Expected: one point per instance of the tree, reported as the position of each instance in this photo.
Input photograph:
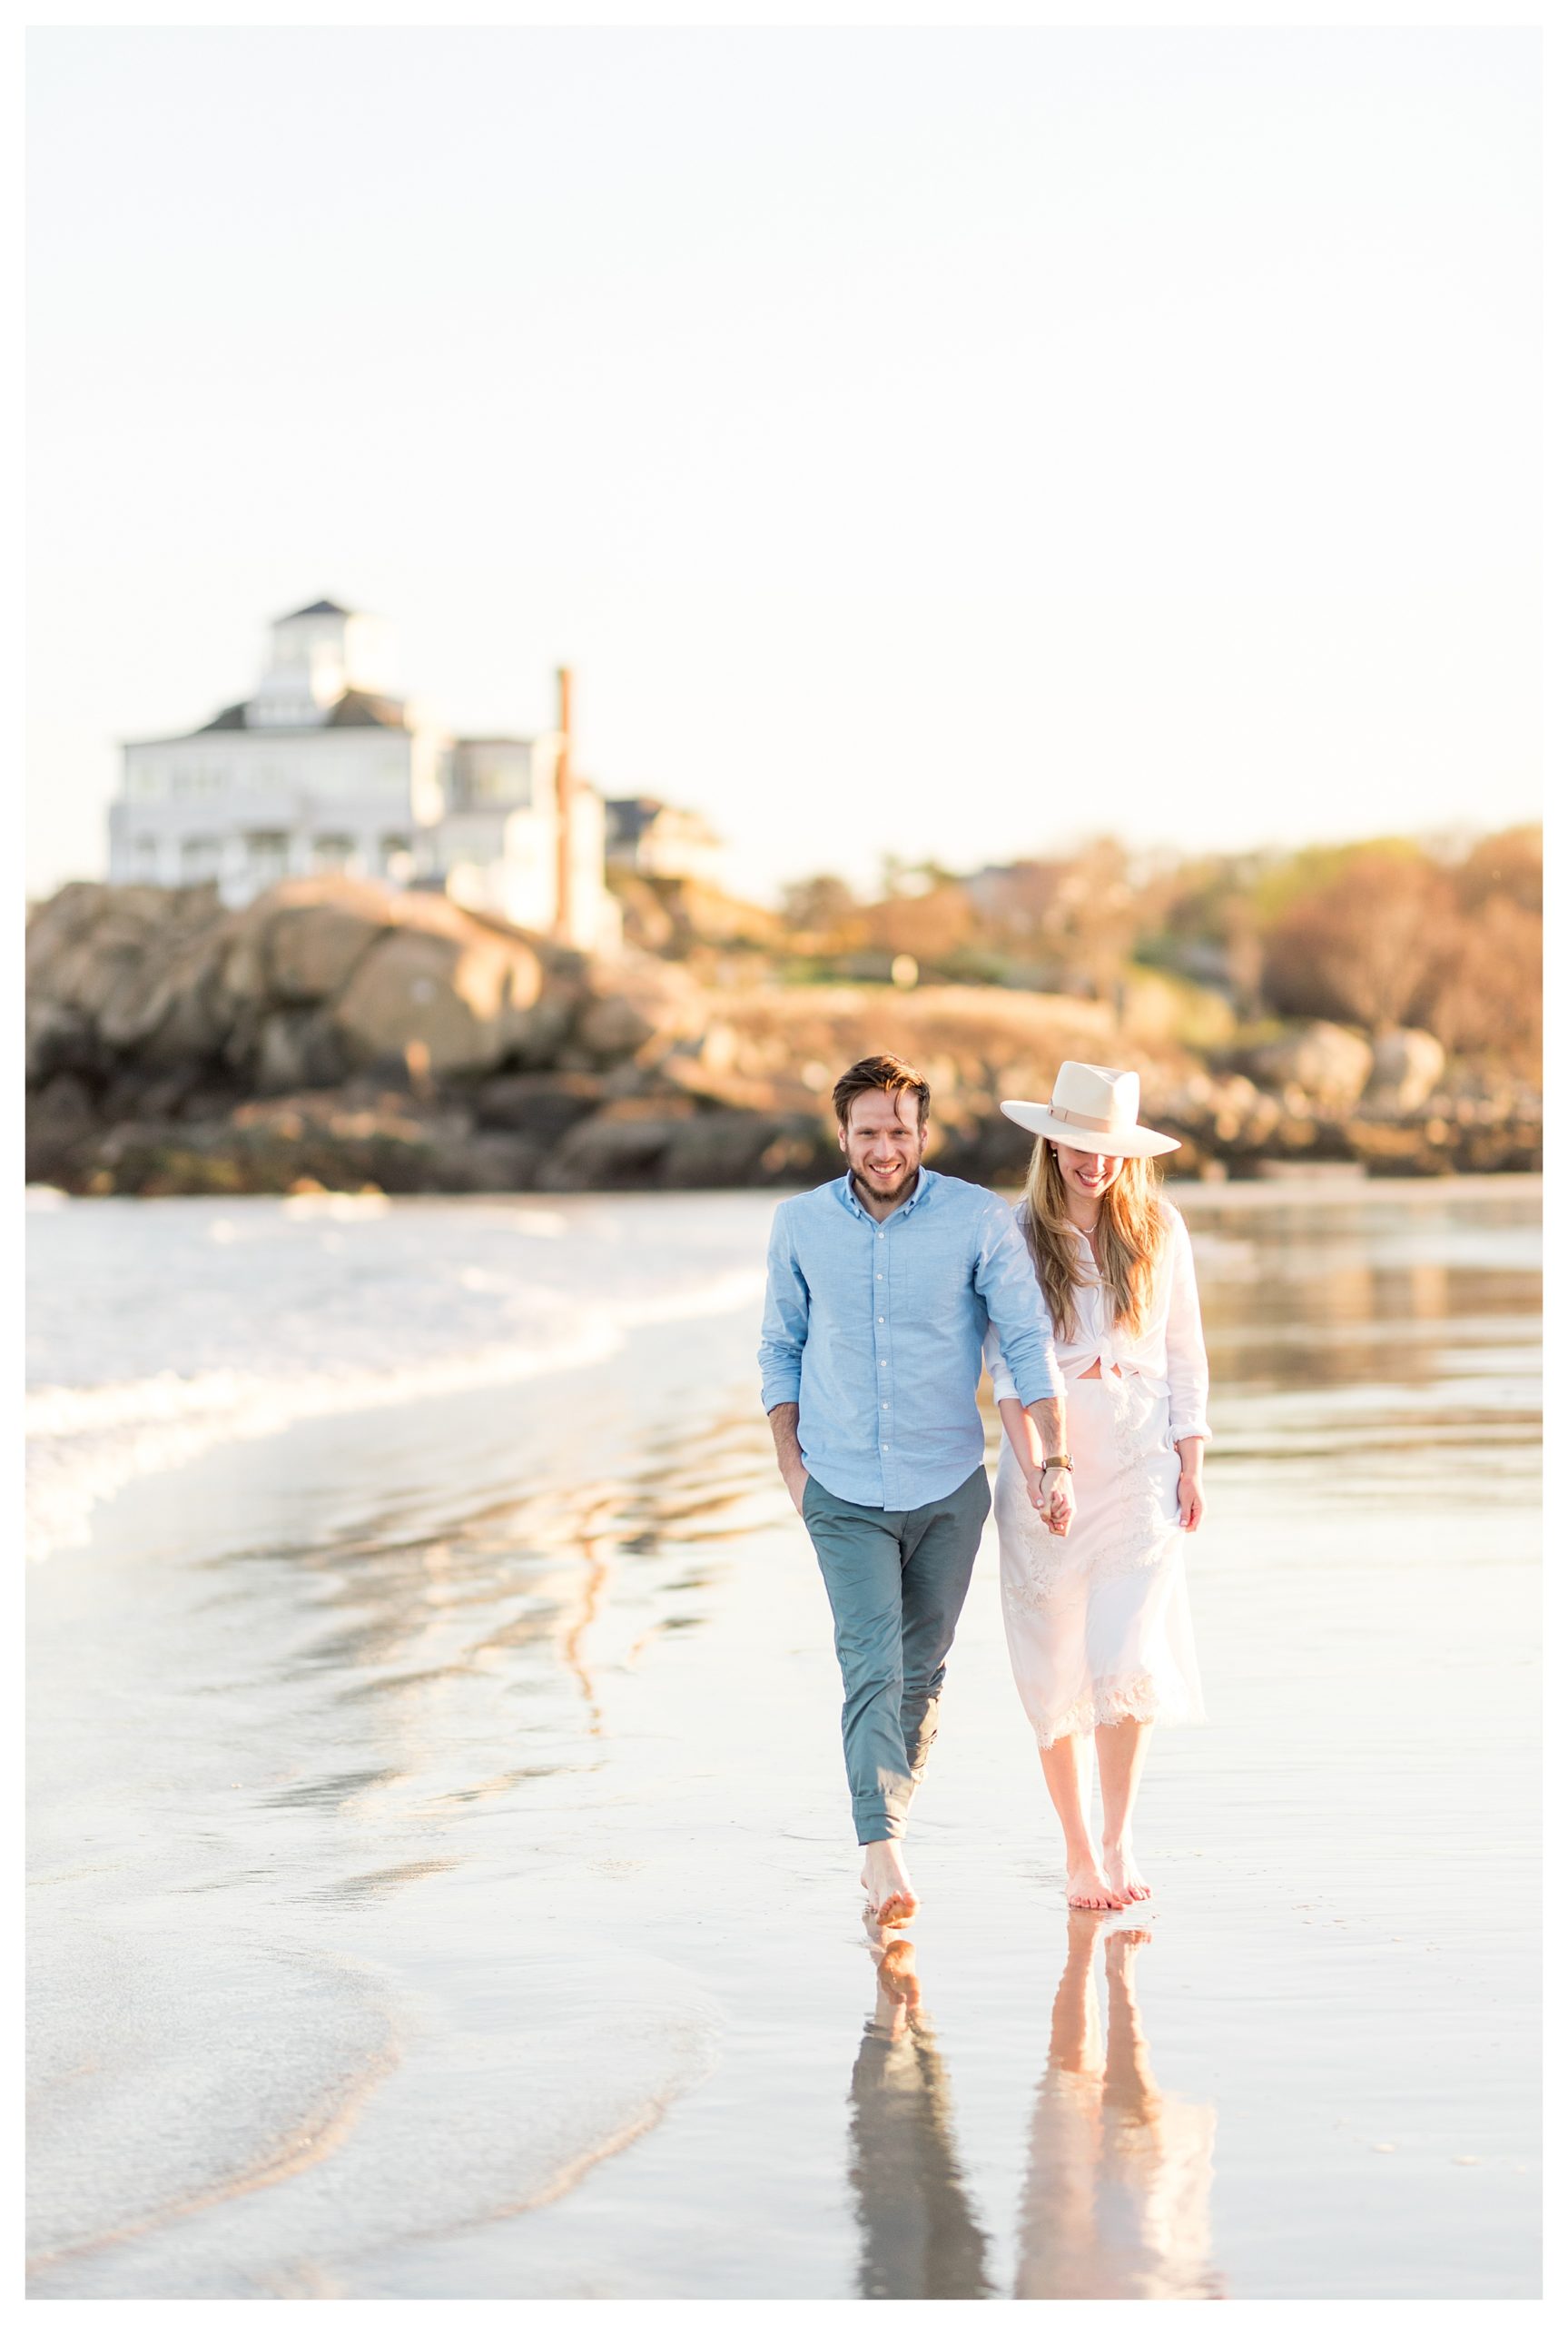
(1506, 864)
(1485, 995)
(1364, 945)
(819, 905)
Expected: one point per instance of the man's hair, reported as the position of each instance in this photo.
(882, 1073)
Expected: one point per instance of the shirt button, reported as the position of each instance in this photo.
(879, 1275)
(887, 1449)
(884, 1364)
(881, 1319)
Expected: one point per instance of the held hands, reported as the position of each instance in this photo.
(1052, 1496)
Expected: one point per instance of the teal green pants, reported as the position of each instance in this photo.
(896, 1581)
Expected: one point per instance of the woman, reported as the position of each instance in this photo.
(1097, 1618)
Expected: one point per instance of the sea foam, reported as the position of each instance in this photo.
(170, 1330)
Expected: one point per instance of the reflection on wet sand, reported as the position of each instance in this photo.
(919, 2237)
(542, 1593)
(1116, 2175)
(1115, 2201)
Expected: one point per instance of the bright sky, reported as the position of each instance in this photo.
(940, 443)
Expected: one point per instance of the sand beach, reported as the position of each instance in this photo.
(442, 1885)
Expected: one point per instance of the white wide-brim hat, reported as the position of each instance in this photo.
(1093, 1107)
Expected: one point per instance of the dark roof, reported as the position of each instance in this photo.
(321, 606)
(629, 818)
(354, 708)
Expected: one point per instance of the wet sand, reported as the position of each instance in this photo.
(443, 1885)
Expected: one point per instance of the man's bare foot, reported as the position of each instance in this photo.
(889, 1890)
(1088, 1886)
(1122, 1874)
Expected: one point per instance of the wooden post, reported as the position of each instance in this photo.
(565, 787)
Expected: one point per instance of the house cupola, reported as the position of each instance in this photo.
(318, 654)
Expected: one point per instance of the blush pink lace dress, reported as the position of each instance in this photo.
(1097, 1626)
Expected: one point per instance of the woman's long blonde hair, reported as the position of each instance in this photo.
(1129, 1237)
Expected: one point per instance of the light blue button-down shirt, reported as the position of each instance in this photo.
(873, 1327)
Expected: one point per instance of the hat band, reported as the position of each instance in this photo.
(1087, 1122)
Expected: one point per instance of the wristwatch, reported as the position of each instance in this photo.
(1057, 1461)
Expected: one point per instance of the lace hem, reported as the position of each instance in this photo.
(1108, 1701)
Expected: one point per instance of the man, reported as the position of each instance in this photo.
(880, 1288)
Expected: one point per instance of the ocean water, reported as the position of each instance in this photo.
(442, 1884)
(156, 1331)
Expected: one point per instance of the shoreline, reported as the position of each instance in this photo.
(1298, 1182)
(89, 1441)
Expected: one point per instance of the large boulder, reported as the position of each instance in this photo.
(317, 933)
(116, 970)
(70, 933)
(172, 1007)
(60, 1038)
(61, 1124)
(302, 940)
(624, 1144)
(465, 997)
(539, 1106)
(740, 1148)
(298, 1049)
(635, 1007)
(102, 950)
(1406, 1066)
(1330, 1064)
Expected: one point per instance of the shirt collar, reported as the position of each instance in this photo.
(844, 1189)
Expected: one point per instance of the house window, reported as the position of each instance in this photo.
(397, 856)
(332, 852)
(145, 858)
(199, 860)
(267, 853)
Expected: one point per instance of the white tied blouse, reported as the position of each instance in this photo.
(1168, 1357)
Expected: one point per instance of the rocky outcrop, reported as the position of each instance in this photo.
(339, 1034)
(335, 1031)
(1407, 1067)
(1329, 1065)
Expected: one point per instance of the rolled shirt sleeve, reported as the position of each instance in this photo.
(1187, 1361)
(1002, 1381)
(786, 1314)
(1020, 1320)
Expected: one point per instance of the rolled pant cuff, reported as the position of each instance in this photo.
(877, 1824)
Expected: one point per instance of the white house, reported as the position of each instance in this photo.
(498, 846)
(322, 770)
(656, 841)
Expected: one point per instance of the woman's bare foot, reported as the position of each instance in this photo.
(1121, 1942)
(896, 1972)
(1087, 1886)
(1123, 1874)
(889, 1890)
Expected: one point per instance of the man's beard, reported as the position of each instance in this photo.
(885, 1194)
